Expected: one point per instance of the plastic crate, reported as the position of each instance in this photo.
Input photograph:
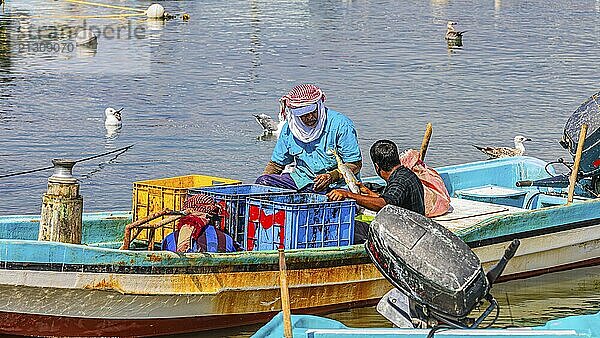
(152, 196)
(234, 198)
(298, 221)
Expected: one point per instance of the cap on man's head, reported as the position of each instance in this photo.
(304, 110)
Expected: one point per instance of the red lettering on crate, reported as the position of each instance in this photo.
(224, 213)
(257, 215)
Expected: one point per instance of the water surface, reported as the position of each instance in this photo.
(189, 90)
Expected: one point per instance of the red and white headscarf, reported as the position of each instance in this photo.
(302, 100)
(202, 203)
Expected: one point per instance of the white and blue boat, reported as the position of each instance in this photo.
(307, 326)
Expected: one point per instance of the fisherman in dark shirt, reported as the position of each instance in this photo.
(403, 189)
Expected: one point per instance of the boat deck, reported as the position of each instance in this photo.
(465, 213)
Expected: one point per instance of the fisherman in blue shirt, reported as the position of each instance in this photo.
(311, 131)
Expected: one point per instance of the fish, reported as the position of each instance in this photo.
(347, 174)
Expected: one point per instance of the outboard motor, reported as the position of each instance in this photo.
(588, 113)
(438, 279)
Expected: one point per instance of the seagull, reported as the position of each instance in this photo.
(451, 33)
(269, 126)
(497, 152)
(113, 117)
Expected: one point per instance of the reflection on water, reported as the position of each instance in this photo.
(112, 132)
(87, 51)
(454, 44)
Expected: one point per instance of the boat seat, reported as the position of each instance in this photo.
(465, 213)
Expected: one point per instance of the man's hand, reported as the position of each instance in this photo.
(337, 195)
(366, 191)
(321, 182)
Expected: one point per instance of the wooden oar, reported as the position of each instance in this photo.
(285, 296)
(425, 143)
(573, 178)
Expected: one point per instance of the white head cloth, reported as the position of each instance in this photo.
(301, 131)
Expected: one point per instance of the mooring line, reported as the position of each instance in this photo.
(106, 5)
(124, 149)
(101, 16)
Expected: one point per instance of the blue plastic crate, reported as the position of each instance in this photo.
(234, 199)
(298, 221)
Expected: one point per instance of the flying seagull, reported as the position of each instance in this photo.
(113, 117)
(497, 152)
(451, 33)
(269, 126)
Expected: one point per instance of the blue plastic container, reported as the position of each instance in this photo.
(494, 194)
(234, 199)
(298, 221)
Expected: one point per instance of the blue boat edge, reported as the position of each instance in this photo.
(305, 326)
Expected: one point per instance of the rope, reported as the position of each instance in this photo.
(124, 149)
(107, 6)
(102, 16)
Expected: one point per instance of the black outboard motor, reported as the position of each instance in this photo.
(589, 167)
(588, 113)
(437, 276)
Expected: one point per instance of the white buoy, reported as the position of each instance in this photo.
(86, 37)
(155, 11)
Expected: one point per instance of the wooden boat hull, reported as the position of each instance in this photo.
(38, 302)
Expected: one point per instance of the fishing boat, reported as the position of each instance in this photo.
(95, 288)
(581, 326)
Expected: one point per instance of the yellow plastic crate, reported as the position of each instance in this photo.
(152, 196)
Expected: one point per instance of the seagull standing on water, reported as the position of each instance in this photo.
(497, 152)
(113, 117)
(269, 126)
(451, 33)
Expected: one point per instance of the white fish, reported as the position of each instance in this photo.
(269, 126)
(289, 168)
(113, 117)
(347, 174)
(497, 152)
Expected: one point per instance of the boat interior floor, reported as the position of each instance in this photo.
(465, 213)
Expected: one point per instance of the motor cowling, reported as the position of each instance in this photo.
(427, 262)
(587, 113)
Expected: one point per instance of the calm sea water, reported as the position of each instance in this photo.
(189, 89)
